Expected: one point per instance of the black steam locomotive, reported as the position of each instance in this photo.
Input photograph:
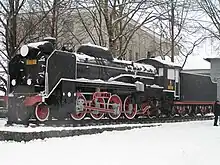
(46, 83)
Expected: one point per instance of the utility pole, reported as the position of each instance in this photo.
(172, 31)
(54, 18)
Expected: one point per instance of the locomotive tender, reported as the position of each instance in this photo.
(46, 83)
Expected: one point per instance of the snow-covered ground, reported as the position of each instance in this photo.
(193, 143)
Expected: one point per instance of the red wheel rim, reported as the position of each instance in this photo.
(129, 113)
(100, 103)
(115, 104)
(42, 112)
(80, 107)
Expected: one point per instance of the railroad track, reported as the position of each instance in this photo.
(105, 125)
(90, 122)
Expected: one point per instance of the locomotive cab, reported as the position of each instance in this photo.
(168, 76)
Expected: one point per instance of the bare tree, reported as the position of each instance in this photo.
(172, 23)
(180, 26)
(9, 10)
(212, 10)
(114, 22)
(12, 33)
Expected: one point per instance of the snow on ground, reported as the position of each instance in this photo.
(192, 143)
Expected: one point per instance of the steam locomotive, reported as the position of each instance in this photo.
(46, 83)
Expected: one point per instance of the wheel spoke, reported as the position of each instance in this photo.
(98, 103)
(115, 104)
(80, 107)
(130, 110)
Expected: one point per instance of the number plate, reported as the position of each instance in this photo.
(31, 62)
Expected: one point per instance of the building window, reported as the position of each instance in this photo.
(136, 55)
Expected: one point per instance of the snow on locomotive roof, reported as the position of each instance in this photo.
(166, 62)
(156, 86)
(122, 61)
(103, 82)
(95, 46)
(36, 44)
(135, 64)
(141, 66)
(83, 57)
(144, 66)
(95, 51)
(115, 82)
(129, 75)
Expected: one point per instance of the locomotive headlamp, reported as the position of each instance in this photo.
(29, 81)
(24, 50)
(13, 82)
(29, 50)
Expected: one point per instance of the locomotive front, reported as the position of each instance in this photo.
(30, 86)
(27, 78)
(27, 69)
